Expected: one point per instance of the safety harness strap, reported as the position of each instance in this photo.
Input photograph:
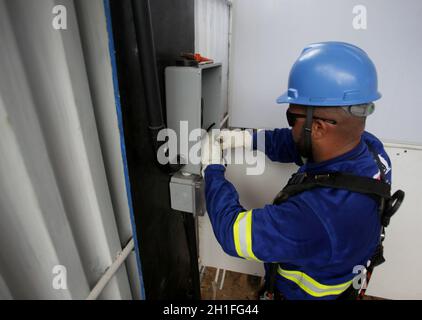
(379, 190)
(307, 132)
(301, 182)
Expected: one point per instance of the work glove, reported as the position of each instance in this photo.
(231, 139)
(211, 152)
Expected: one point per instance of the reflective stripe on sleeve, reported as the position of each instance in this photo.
(311, 286)
(242, 232)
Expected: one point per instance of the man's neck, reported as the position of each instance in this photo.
(332, 150)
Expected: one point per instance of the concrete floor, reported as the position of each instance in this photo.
(237, 286)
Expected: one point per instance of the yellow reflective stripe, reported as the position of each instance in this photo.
(316, 283)
(236, 234)
(242, 232)
(311, 286)
(249, 235)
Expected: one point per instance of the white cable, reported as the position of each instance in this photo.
(222, 279)
(201, 273)
(111, 271)
(216, 275)
(225, 119)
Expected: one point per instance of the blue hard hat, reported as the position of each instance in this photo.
(332, 74)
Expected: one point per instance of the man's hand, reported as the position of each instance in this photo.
(211, 152)
(231, 139)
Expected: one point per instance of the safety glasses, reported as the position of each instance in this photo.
(361, 110)
(292, 117)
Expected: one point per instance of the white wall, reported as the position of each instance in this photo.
(268, 36)
(212, 33)
(400, 277)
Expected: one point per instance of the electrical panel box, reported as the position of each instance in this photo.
(187, 194)
(193, 97)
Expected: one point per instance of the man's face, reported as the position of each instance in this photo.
(297, 128)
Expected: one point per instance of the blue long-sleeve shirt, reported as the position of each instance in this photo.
(317, 236)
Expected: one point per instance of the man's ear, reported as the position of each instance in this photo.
(319, 129)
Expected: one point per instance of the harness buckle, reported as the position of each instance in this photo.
(297, 178)
(319, 177)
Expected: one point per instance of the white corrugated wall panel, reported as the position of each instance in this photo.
(56, 202)
(92, 23)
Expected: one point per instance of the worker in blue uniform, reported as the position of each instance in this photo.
(316, 237)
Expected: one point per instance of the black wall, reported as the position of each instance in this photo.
(166, 237)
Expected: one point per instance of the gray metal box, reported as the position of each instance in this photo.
(193, 94)
(187, 194)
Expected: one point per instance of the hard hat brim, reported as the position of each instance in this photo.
(286, 99)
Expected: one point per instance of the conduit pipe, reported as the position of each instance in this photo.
(111, 271)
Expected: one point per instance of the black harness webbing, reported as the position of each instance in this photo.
(301, 182)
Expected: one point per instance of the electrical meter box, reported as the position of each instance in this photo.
(187, 194)
(193, 99)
